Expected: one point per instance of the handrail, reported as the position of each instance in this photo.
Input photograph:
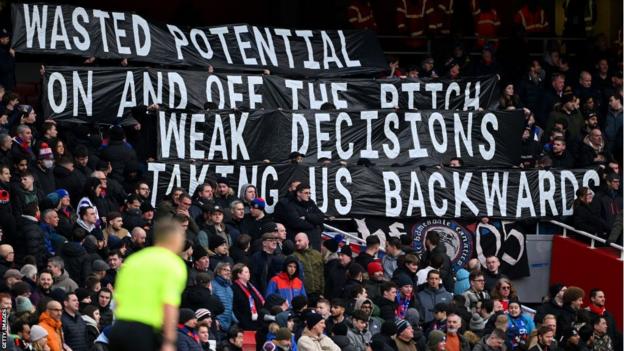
(347, 235)
(588, 235)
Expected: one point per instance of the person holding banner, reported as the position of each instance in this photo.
(302, 215)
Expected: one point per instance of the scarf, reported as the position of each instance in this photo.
(252, 302)
(597, 309)
(24, 145)
(402, 305)
(188, 332)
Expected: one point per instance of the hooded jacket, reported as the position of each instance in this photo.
(64, 282)
(284, 285)
(54, 329)
(429, 298)
(313, 266)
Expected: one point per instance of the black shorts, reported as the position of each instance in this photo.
(133, 336)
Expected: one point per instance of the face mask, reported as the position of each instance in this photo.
(48, 163)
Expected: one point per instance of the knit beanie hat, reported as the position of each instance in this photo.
(312, 319)
(435, 337)
(37, 332)
(23, 304)
(45, 152)
(299, 302)
(555, 289)
(477, 322)
(373, 268)
(186, 314)
(401, 325)
(572, 293)
(214, 242)
(202, 314)
(199, 251)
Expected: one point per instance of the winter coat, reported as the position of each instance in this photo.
(185, 342)
(586, 217)
(92, 330)
(64, 282)
(75, 332)
(612, 125)
(222, 289)
(610, 205)
(335, 277)
(548, 307)
(405, 346)
(387, 309)
(472, 297)
(446, 271)
(358, 339)
(196, 297)
(310, 342)
(120, 154)
(69, 180)
(32, 242)
(284, 285)
(74, 255)
(389, 264)
(264, 268)
(429, 298)
(313, 265)
(44, 179)
(242, 308)
(344, 343)
(54, 329)
(291, 216)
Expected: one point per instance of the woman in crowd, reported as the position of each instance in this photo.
(504, 292)
(247, 300)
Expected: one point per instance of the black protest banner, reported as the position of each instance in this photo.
(505, 240)
(395, 191)
(462, 239)
(69, 30)
(106, 95)
(385, 137)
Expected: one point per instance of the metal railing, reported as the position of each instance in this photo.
(592, 237)
(348, 236)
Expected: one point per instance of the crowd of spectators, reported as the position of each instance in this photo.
(74, 205)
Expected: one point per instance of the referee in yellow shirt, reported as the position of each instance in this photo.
(148, 289)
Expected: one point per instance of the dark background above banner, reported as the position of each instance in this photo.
(394, 192)
(104, 95)
(385, 137)
(62, 29)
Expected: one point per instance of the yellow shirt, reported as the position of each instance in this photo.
(147, 281)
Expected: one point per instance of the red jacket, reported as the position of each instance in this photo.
(360, 15)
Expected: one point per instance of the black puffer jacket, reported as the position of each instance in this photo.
(118, 153)
(32, 241)
(70, 181)
(75, 332)
(196, 297)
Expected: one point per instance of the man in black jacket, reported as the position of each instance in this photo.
(74, 327)
(199, 296)
(302, 215)
(32, 235)
(433, 246)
